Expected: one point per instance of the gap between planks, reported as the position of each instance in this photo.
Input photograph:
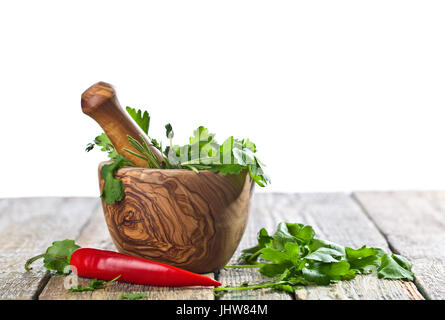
(28, 226)
(413, 223)
(60, 218)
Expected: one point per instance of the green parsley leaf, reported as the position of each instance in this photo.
(324, 273)
(204, 153)
(113, 189)
(391, 269)
(142, 119)
(292, 256)
(106, 146)
(363, 259)
(289, 254)
(402, 261)
(94, 284)
(251, 255)
(323, 255)
(133, 296)
(319, 243)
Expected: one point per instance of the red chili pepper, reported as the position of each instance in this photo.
(107, 265)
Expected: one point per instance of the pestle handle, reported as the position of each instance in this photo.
(100, 103)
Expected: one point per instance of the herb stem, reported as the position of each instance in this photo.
(259, 286)
(243, 266)
(111, 281)
(31, 260)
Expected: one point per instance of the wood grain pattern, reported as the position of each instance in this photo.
(100, 103)
(178, 217)
(414, 224)
(95, 235)
(28, 226)
(335, 217)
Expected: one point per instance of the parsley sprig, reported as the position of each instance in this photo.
(293, 257)
(56, 257)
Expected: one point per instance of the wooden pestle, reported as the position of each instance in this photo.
(100, 102)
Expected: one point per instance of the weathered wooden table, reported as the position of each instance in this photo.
(409, 223)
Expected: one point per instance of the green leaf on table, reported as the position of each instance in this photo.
(324, 273)
(250, 255)
(391, 269)
(326, 255)
(133, 296)
(289, 254)
(94, 284)
(402, 261)
(56, 257)
(282, 235)
(292, 256)
(319, 243)
(362, 260)
(273, 269)
(303, 233)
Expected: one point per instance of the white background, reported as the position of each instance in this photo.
(337, 95)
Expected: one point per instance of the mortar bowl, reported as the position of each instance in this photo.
(189, 220)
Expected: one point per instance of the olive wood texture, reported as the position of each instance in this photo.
(100, 103)
(190, 220)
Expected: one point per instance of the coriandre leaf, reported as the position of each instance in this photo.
(57, 256)
(133, 296)
(93, 285)
(113, 188)
(363, 259)
(391, 269)
(293, 256)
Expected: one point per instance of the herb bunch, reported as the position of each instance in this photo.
(202, 152)
(293, 257)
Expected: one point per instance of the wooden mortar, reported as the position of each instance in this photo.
(178, 217)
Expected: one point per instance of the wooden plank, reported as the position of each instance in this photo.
(335, 217)
(260, 216)
(95, 234)
(414, 225)
(28, 226)
(56, 290)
